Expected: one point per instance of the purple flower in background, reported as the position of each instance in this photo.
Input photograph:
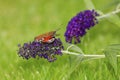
(42, 50)
(78, 25)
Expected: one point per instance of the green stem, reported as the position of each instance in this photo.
(109, 14)
(86, 55)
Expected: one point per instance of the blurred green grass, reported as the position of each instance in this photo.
(22, 20)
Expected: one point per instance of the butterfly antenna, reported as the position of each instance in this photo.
(58, 28)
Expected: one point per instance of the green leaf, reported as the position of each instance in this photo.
(112, 59)
(89, 4)
(115, 47)
(74, 61)
(114, 19)
(76, 49)
(111, 53)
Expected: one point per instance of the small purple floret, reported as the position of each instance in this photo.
(41, 50)
(78, 25)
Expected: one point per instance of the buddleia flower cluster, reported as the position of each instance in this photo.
(78, 25)
(41, 50)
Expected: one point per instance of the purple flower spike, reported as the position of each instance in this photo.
(78, 25)
(42, 50)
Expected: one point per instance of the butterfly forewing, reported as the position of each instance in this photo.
(47, 37)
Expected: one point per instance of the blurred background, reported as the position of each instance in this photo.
(22, 20)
